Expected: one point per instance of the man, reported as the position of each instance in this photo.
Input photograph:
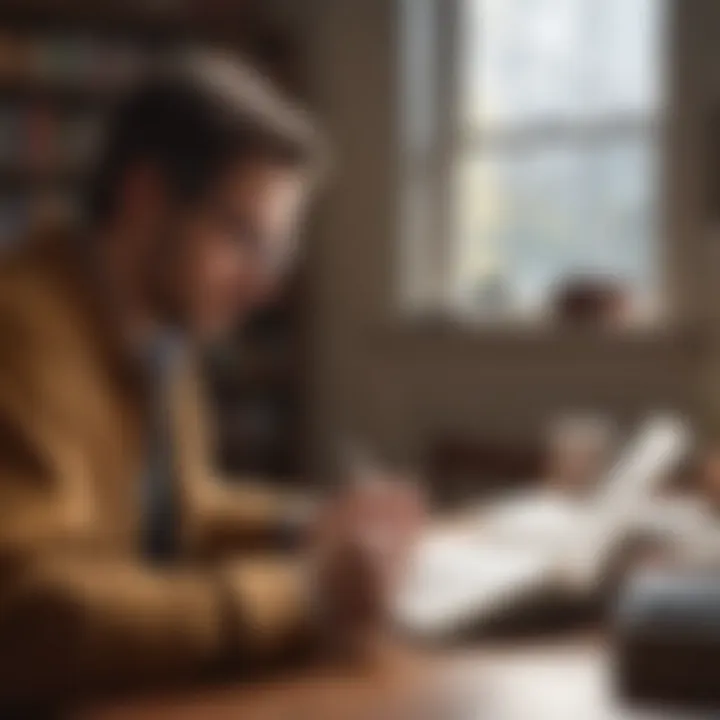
(118, 549)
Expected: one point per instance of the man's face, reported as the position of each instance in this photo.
(234, 248)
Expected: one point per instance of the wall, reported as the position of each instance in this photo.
(397, 386)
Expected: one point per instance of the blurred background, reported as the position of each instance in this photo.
(520, 228)
(519, 224)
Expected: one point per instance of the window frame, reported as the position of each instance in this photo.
(426, 288)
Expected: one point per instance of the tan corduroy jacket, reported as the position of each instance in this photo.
(79, 609)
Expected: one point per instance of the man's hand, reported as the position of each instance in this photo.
(362, 544)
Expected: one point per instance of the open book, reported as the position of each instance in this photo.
(464, 576)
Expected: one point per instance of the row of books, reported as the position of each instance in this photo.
(69, 60)
(38, 137)
(20, 214)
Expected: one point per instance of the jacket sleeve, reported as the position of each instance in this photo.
(73, 620)
(72, 625)
(240, 514)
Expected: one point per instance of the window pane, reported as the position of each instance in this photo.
(417, 72)
(419, 284)
(527, 61)
(527, 220)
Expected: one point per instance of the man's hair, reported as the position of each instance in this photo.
(192, 122)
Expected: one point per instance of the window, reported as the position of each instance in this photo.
(530, 150)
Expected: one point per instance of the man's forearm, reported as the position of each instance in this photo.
(71, 626)
(242, 515)
(77, 625)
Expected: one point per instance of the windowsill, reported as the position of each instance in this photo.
(441, 328)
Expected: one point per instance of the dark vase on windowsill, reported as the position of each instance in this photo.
(592, 303)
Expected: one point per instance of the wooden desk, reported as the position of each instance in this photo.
(559, 679)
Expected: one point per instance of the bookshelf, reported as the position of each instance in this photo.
(62, 65)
